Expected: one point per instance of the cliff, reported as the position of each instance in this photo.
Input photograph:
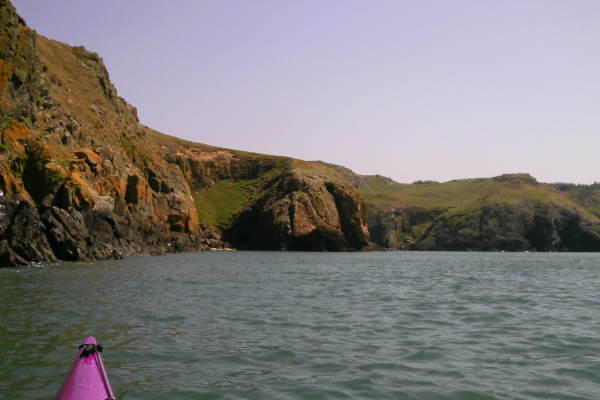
(512, 212)
(82, 179)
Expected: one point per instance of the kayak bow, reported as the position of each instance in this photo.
(87, 379)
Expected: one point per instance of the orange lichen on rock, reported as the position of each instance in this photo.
(6, 71)
(14, 134)
(88, 155)
(77, 193)
(303, 224)
(17, 130)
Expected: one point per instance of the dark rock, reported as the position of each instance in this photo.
(21, 239)
(397, 228)
(68, 236)
(320, 239)
(520, 227)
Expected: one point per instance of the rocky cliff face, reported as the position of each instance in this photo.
(68, 148)
(301, 209)
(524, 227)
(82, 179)
(397, 228)
(20, 69)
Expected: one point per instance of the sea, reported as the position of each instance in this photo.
(287, 325)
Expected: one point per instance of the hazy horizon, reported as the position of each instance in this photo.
(431, 90)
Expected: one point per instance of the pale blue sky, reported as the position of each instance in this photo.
(408, 89)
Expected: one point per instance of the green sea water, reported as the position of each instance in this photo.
(268, 325)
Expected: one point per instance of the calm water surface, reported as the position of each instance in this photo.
(259, 325)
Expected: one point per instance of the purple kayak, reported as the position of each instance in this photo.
(87, 379)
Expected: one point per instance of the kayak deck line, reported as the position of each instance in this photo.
(87, 378)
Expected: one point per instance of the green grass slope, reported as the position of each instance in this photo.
(587, 196)
(509, 212)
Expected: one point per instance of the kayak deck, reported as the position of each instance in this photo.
(87, 378)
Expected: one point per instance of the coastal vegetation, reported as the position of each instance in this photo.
(508, 212)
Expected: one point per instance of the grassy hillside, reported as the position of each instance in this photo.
(587, 196)
(456, 196)
(465, 213)
(218, 204)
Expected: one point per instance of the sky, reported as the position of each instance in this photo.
(413, 90)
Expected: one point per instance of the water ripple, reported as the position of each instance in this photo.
(259, 325)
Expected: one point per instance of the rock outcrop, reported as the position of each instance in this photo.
(303, 210)
(47, 233)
